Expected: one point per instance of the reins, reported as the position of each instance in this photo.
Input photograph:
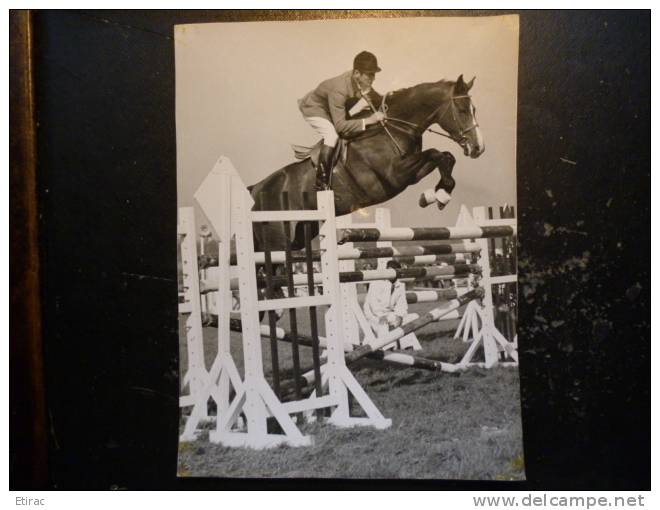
(417, 132)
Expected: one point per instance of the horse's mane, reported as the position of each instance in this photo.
(399, 100)
(395, 96)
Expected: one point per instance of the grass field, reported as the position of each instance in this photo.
(443, 426)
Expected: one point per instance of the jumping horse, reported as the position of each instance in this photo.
(382, 161)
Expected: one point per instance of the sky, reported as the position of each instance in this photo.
(237, 86)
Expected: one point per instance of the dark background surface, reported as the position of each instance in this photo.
(107, 183)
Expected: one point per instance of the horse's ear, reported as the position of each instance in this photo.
(460, 85)
(471, 82)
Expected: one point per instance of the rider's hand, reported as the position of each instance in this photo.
(375, 118)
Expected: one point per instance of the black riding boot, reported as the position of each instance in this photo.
(324, 168)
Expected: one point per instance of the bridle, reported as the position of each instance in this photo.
(451, 107)
(460, 138)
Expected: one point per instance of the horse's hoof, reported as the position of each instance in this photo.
(427, 198)
(442, 197)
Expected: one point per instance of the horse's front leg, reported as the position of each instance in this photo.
(441, 194)
(420, 165)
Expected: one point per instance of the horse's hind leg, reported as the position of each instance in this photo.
(272, 237)
(277, 293)
(298, 242)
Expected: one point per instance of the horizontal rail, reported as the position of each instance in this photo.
(292, 302)
(426, 296)
(423, 234)
(302, 215)
(418, 273)
(501, 222)
(497, 280)
(350, 253)
(311, 403)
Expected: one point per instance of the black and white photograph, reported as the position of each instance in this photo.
(347, 249)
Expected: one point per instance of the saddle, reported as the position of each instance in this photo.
(339, 154)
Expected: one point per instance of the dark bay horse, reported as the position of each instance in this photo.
(374, 169)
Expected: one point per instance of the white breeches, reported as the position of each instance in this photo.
(325, 129)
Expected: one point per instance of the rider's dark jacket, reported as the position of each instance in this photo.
(329, 101)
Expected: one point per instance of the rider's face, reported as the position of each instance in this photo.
(364, 79)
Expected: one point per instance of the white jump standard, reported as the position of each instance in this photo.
(253, 396)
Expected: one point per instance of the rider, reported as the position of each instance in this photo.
(327, 107)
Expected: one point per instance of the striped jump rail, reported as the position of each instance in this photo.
(417, 273)
(431, 295)
(357, 235)
(424, 260)
(413, 361)
(450, 250)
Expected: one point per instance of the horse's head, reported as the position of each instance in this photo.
(459, 119)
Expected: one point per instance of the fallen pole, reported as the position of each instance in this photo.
(392, 356)
(413, 361)
(396, 334)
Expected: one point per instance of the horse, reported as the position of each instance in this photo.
(380, 162)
